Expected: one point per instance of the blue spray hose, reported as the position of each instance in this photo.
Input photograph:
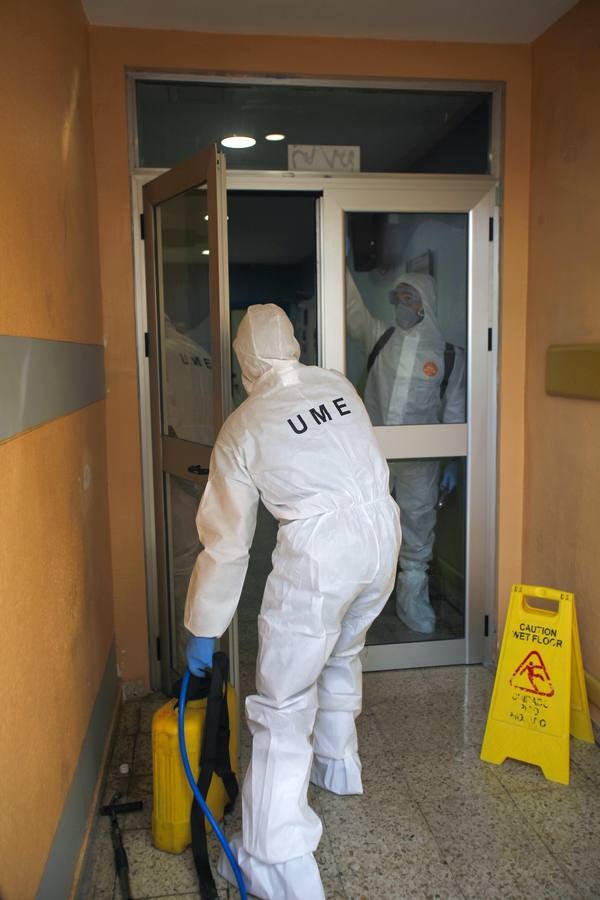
(196, 790)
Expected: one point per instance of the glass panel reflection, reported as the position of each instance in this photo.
(183, 545)
(272, 246)
(396, 130)
(183, 283)
(406, 315)
(428, 602)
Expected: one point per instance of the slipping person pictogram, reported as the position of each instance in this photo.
(532, 676)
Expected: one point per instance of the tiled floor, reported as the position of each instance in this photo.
(434, 821)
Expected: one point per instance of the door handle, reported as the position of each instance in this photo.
(197, 470)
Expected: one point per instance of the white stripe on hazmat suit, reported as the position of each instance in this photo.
(302, 441)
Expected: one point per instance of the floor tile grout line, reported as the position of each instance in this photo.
(441, 855)
(495, 770)
(558, 862)
(584, 774)
(442, 861)
(322, 815)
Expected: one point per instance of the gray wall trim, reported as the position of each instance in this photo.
(42, 380)
(58, 876)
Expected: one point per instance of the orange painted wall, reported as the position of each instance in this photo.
(55, 570)
(114, 50)
(562, 500)
(48, 247)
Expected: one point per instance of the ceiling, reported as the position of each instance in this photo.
(496, 21)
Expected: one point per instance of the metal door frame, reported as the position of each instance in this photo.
(475, 197)
(205, 168)
(481, 190)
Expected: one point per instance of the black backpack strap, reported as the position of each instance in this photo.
(381, 342)
(214, 758)
(449, 357)
(223, 761)
(215, 749)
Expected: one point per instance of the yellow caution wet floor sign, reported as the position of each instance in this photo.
(539, 695)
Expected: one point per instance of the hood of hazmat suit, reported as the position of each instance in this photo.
(265, 338)
(302, 443)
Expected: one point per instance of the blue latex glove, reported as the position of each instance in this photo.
(450, 477)
(199, 653)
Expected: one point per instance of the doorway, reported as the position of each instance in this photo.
(298, 248)
(273, 258)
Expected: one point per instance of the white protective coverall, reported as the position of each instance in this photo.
(302, 442)
(403, 388)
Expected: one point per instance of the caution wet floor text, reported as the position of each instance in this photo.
(539, 696)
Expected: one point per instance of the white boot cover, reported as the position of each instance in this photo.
(340, 776)
(295, 879)
(412, 601)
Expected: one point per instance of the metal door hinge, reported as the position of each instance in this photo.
(486, 626)
(158, 649)
(490, 339)
(142, 229)
(491, 228)
(146, 343)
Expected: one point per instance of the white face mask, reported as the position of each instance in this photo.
(408, 306)
(406, 317)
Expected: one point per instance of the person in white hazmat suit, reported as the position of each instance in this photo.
(414, 378)
(303, 443)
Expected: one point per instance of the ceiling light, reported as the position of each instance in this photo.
(275, 137)
(206, 218)
(205, 252)
(238, 142)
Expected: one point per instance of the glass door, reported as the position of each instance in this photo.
(185, 221)
(273, 257)
(410, 329)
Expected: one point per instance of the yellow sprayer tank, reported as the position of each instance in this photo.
(172, 801)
